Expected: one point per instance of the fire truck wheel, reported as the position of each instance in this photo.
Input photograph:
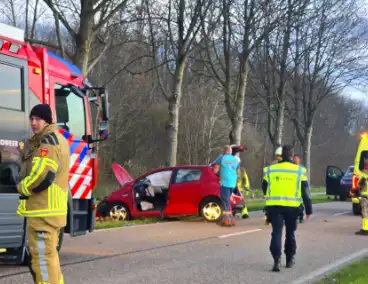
(118, 211)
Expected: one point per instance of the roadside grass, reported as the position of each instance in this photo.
(253, 205)
(356, 273)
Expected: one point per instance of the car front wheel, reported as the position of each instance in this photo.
(119, 212)
(211, 209)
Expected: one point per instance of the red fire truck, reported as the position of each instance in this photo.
(30, 75)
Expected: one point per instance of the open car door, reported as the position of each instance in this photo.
(333, 178)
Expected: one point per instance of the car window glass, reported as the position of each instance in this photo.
(160, 179)
(334, 172)
(350, 171)
(188, 175)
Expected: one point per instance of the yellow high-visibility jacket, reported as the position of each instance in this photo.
(243, 182)
(45, 171)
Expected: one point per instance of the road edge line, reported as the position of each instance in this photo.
(323, 272)
(341, 213)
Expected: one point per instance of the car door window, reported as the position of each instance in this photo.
(160, 179)
(188, 175)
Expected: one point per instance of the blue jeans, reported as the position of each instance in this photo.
(225, 193)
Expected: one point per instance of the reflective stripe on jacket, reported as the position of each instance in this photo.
(45, 172)
(284, 184)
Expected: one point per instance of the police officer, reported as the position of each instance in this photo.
(285, 185)
(44, 184)
(297, 161)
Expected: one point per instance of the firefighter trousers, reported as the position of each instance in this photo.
(364, 206)
(44, 262)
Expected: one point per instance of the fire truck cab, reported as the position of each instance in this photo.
(30, 75)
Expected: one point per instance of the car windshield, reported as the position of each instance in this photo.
(350, 171)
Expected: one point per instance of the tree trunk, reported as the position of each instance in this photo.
(279, 127)
(172, 126)
(237, 121)
(307, 149)
(84, 38)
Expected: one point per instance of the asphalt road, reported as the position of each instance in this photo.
(197, 252)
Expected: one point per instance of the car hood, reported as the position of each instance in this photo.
(121, 174)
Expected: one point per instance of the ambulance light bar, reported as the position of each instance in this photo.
(11, 32)
(364, 135)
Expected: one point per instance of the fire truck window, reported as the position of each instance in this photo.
(10, 87)
(363, 160)
(69, 111)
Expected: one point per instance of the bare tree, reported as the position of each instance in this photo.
(328, 57)
(185, 25)
(90, 16)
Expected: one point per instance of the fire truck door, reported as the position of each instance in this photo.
(14, 128)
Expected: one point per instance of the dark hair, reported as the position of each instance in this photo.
(287, 152)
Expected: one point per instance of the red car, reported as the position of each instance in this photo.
(175, 191)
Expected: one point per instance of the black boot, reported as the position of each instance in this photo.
(290, 261)
(276, 265)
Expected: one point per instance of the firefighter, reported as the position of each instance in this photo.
(227, 166)
(44, 194)
(278, 156)
(243, 186)
(363, 194)
(285, 185)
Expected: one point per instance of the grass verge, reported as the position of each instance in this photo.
(356, 273)
(253, 205)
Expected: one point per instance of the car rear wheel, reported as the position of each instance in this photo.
(119, 212)
(211, 209)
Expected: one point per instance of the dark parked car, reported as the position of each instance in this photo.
(346, 183)
(339, 183)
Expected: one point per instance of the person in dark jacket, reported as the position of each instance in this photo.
(297, 161)
(285, 186)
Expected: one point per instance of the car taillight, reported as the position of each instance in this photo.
(355, 182)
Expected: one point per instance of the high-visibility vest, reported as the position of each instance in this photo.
(284, 184)
(243, 182)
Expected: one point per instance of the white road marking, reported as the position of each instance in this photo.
(331, 267)
(239, 233)
(342, 213)
(132, 226)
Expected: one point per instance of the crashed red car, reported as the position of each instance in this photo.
(167, 192)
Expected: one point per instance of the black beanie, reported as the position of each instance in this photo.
(42, 111)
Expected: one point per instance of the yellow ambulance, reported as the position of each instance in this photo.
(360, 170)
